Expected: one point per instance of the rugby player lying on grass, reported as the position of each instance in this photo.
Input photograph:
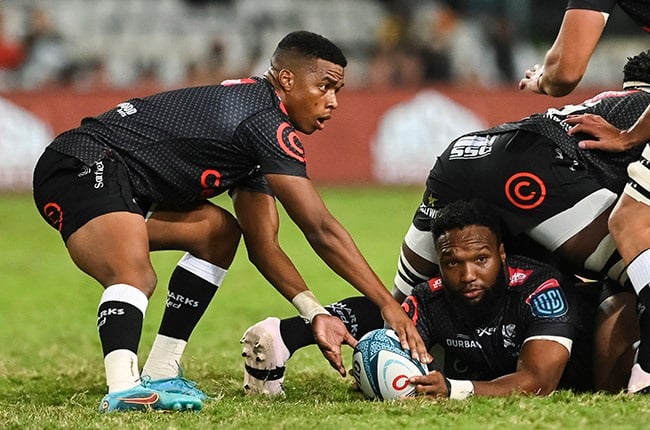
(507, 324)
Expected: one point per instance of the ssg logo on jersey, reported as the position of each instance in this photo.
(548, 301)
(470, 147)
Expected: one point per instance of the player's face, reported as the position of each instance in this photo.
(312, 97)
(471, 262)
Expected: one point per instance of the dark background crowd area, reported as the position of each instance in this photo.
(91, 44)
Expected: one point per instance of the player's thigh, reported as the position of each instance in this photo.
(630, 220)
(205, 230)
(114, 248)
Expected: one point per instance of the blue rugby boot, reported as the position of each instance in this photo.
(142, 398)
(177, 385)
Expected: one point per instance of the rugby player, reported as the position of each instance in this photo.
(138, 178)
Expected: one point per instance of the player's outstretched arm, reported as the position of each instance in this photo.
(540, 367)
(258, 218)
(606, 136)
(336, 248)
(566, 61)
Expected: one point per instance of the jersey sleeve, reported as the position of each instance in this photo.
(605, 6)
(273, 143)
(549, 312)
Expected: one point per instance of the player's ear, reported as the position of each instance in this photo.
(286, 79)
(502, 253)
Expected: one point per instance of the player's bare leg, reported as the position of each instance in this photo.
(630, 226)
(114, 249)
(210, 235)
(617, 330)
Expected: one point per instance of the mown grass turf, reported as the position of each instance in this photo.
(51, 373)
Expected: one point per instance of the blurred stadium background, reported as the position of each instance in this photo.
(421, 72)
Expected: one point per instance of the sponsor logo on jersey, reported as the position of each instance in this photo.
(471, 147)
(124, 109)
(428, 211)
(518, 276)
(54, 215)
(548, 301)
(485, 331)
(99, 175)
(435, 284)
(463, 341)
(525, 190)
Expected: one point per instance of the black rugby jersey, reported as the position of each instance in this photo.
(638, 10)
(536, 302)
(193, 143)
(619, 108)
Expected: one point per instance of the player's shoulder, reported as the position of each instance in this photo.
(428, 291)
(431, 287)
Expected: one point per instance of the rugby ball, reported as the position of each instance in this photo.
(382, 368)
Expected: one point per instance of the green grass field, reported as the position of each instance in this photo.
(51, 373)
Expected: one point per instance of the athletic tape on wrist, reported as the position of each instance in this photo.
(460, 389)
(308, 305)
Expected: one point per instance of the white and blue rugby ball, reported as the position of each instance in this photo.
(382, 368)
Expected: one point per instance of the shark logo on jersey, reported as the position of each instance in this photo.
(471, 147)
(508, 334)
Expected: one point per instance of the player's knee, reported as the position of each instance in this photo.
(219, 239)
(140, 276)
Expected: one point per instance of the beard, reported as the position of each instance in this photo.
(487, 308)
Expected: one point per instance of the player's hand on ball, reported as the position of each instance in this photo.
(434, 384)
(408, 335)
(330, 333)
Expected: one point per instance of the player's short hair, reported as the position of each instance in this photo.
(311, 45)
(637, 68)
(462, 213)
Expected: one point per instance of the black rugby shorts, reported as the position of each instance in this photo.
(523, 176)
(68, 193)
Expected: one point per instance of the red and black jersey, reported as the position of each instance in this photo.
(193, 143)
(638, 10)
(536, 301)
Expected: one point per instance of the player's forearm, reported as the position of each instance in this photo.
(560, 76)
(514, 383)
(337, 249)
(277, 268)
(566, 61)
